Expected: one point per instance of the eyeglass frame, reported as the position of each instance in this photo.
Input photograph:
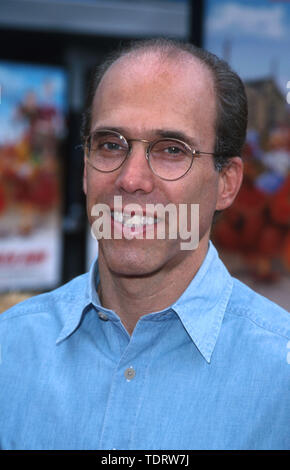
(151, 143)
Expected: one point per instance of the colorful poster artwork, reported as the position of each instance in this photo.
(32, 114)
(254, 233)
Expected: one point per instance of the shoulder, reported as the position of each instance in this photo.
(52, 304)
(257, 310)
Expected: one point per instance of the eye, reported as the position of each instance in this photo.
(107, 143)
(174, 150)
(110, 146)
(168, 148)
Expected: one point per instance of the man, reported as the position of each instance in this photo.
(158, 347)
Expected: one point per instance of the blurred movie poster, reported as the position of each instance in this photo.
(32, 114)
(253, 235)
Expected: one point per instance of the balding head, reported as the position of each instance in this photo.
(230, 98)
(147, 77)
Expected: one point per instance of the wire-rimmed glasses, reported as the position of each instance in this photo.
(169, 158)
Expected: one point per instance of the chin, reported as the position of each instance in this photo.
(134, 259)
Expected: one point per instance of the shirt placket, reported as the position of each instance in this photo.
(127, 387)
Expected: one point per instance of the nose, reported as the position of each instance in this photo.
(135, 173)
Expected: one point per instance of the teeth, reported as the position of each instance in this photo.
(118, 216)
(150, 220)
(134, 221)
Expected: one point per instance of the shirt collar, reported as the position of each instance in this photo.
(200, 308)
(202, 305)
(80, 301)
(76, 298)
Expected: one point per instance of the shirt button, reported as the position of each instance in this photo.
(103, 316)
(130, 373)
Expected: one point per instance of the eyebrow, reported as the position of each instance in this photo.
(174, 134)
(165, 133)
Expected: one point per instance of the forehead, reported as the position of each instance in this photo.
(148, 68)
(154, 86)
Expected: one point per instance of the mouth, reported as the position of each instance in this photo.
(134, 221)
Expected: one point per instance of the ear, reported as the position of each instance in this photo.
(230, 181)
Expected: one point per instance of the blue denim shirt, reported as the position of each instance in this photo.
(212, 371)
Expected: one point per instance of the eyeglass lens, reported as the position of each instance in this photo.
(168, 158)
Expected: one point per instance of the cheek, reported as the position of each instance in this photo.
(208, 202)
(198, 190)
(98, 185)
(201, 190)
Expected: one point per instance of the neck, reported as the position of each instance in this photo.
(132, 297)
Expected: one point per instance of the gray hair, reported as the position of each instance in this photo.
(232, 109)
